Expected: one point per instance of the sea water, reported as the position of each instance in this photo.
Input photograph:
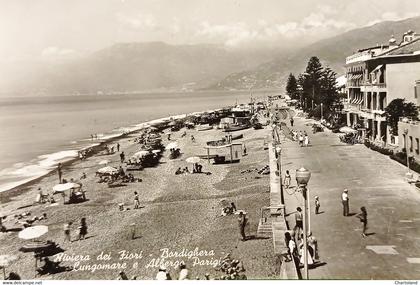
(36, 133)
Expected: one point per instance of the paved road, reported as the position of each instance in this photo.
(374, 181)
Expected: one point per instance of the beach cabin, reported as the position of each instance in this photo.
(229, 153)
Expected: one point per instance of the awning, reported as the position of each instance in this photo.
(377, 68)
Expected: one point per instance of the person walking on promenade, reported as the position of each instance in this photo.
(184, 273)
(317, 205)
(136, 200)
(66, 228)
(345, 202)
(82, 229)
(300, 138)
(291, 122)
(287, 239)
(122, 157)
(363, 218)
(60, 173)
(287, 179)
(313, 243)
(242, 220)
(306, 140)
(298, 222)
(118, 147)
(294, 252)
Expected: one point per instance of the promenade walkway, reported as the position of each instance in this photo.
(392, 249)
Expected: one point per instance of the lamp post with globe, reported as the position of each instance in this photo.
(302, 178)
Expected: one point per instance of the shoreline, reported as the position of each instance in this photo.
(95, 147)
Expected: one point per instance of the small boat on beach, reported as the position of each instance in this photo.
(205, 128)
(234, 128)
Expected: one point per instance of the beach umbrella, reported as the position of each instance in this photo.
(156, 151)
(193, 159)
(105, 161)
(141, 153)
(5, 261)
(108, 170)
(33, 232)
(171, 124)
(172, 145)
(66, 186)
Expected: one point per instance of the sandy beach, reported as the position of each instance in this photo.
(179, 219)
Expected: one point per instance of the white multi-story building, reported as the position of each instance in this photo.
(375, 77)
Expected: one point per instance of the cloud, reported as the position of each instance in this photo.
(235, 33)
(392, 16)
(175, 27)
(138, 22)
(53, 51)
(232, 33)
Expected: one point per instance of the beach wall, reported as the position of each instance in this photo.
(287, 270)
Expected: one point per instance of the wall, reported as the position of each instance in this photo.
(414, 132)
(400, 81)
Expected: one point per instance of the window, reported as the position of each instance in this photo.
(417, 146)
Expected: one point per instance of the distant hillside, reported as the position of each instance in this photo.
(138, 67)
(331, 52)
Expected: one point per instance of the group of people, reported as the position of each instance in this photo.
(229, 209)
(82, 229)
(295, 248)
(183, 273)
(301, 137)
(362, 215)
(174, 153)
(111, 149)
(197, 168)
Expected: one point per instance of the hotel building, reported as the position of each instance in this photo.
(375, 77)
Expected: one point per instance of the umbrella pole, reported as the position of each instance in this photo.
(4, 272)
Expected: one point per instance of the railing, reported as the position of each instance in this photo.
(380, 85)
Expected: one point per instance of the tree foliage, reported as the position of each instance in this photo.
(319, 85)
(399, 108)
(291, 87)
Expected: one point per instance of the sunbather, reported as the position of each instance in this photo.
(178, 171)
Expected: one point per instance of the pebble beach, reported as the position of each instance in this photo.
(179, 219)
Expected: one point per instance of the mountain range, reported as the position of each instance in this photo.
(156, 66)
(332, 52)
(137, 67)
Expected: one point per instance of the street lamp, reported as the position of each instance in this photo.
(302, 178)
(322, 113)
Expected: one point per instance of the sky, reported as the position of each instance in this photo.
(54, 29)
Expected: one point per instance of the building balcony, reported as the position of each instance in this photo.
(378, 112)
(373, 87)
